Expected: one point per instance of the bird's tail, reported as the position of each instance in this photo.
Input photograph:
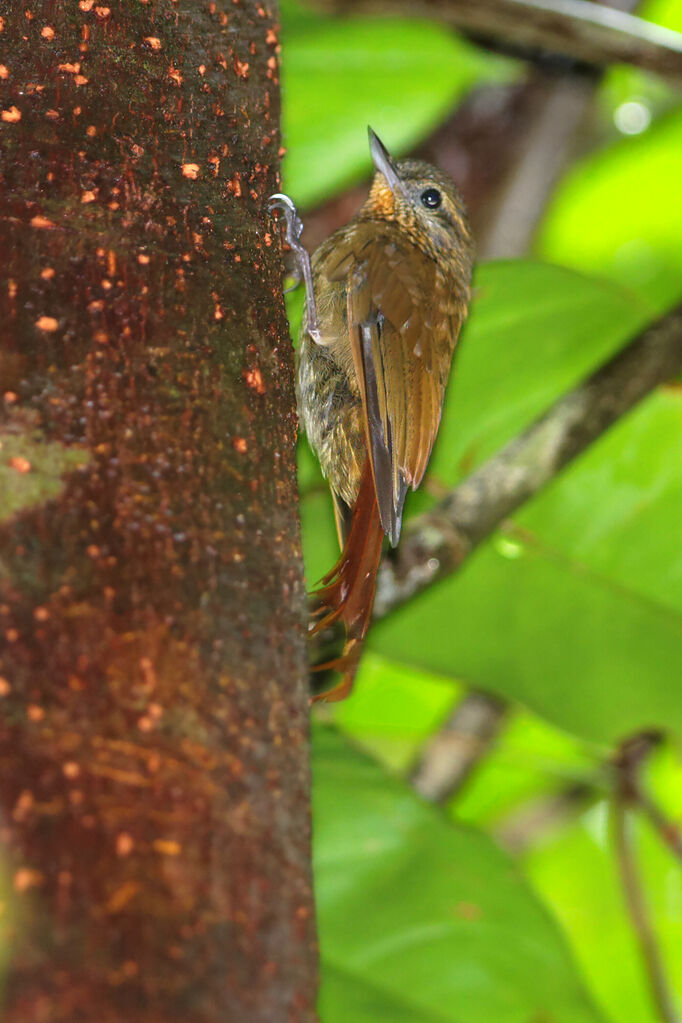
(347, 593)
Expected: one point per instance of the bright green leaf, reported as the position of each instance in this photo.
(534, 331)
(577, 874)
(423, 920)
(619, 213)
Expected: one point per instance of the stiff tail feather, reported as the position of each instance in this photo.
(348, 591)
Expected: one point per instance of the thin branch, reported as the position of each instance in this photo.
(578, 29)
(627, 761)
(535, 820)
(549, 143)
(668, 831)
(450, 756)
(638, 910)
(437, 542)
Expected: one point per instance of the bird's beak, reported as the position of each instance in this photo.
(383, 162)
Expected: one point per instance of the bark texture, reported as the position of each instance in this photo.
(153, 682)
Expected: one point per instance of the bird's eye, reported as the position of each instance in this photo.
(431, 198)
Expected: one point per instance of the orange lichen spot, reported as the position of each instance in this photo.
(144, 259)
(4, 71)
(92, 551)
(101, 337)
(41, 614)
(202, 69)
(80, 80)
(267, 238)
(218, 314)
(104, 283)
(89, 196)
(10, 397)
(271, 37)
(11, 115)
(71, 769)
(125, 844)
(190, 170)
(91, 131)
(43, 222)
(122, 896)
(12, 288)
(103, 12)
(47, 32)
(35, 713)
(114, 205)
(47, 323)
(69, 69)
(254, 379)
(5, 687)
(26, 878)
(239, 444)
(12, 635)
(241, 67)
(2, 24)
(281, 151)
(153, 42)
(175, 75)
(86, 5)
(24, 805)
(47, 273)
(234, 185)
(167, 847)
(52, 115)
(20, 464)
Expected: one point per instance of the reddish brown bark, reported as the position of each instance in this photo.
(153, 729)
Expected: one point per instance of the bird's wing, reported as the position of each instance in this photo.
(401, 336)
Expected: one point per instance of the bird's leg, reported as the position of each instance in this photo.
(278, 201)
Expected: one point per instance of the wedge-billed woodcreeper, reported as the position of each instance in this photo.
(386, 295)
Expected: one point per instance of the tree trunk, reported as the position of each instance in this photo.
(153, 680)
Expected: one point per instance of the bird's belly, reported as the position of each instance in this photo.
(330, 409)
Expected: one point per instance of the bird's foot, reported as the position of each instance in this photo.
(282, 202)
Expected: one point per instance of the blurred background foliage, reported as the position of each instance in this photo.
(505, 903)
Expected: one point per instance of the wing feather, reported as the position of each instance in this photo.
(401, 354)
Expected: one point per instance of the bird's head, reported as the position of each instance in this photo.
(422, 200)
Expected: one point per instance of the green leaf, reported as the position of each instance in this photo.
(421, 920)
(619, 213)
(577, 649)
(534, 331)
(665, 12)
(577, 875)
(340, 74)
(576, 609)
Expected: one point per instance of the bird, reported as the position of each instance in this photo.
(387, 295)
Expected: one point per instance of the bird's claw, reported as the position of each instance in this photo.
(282, 202)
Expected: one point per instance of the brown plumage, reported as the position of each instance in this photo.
(391, 291)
